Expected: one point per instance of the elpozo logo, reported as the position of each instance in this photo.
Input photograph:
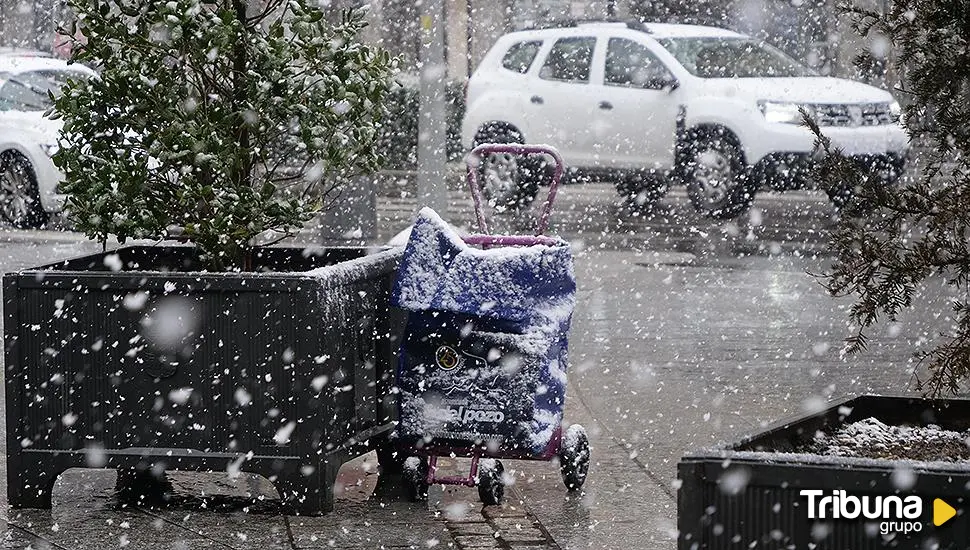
(895, 514)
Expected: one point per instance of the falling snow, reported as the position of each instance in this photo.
(690, 298)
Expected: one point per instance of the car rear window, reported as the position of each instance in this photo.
(520, 56)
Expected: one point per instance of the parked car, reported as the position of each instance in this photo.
(28, 177)
(648, 104)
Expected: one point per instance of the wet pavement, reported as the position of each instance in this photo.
(682, 338)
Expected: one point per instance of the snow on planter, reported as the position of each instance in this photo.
(484, 354)
(870, 438)
(757, 492)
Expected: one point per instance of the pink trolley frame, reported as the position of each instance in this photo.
(486, 239)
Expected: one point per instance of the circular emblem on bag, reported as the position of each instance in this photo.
(447, 358)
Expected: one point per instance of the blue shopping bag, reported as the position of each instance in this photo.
(484, 353)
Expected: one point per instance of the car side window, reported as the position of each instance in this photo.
(629, 63)
(29, 91)
(520, 56)
(20, 96)
(6, 102)
(569, 60)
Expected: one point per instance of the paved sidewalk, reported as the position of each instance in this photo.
(670, 351)
(213, 511)
(208, 510)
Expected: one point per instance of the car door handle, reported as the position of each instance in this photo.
(606, 105)
(536, 99)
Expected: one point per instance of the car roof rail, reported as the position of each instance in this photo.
(571, 22)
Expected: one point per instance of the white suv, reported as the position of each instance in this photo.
(650, 103)
(28, 177)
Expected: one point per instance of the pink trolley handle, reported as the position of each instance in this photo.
(542, 223)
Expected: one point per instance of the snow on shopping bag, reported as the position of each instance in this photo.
(484, 353)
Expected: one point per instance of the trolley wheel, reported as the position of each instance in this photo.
(491, 488)
(416, 478)
(574, 457)
(390, 460)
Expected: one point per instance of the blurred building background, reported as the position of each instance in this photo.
(809, 30)
(28, 23)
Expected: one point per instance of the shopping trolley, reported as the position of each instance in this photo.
(482, 366)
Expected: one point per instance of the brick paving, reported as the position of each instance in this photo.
(505, 527)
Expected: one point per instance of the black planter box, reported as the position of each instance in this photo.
(747, 495)
(135, 359)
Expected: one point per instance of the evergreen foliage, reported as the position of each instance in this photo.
(215, 120)
(892, 242)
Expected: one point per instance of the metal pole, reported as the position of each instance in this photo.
(469, 30)
(432, 190)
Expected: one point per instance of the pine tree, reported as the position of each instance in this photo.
(890, 241)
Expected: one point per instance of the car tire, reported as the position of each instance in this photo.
(509, 182)
(845, 197)
(641, 192)
(840, 196)
(19, 196)
(717, 181)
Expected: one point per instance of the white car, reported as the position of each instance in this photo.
(28, 177)
(647, 104)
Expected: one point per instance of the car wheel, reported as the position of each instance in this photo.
(848, 200)
(640, 192)
(19, 198)
(716, 180)
(509, 182)
(840, 196)
(886, 174)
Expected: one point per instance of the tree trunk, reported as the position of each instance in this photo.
(243, 164)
